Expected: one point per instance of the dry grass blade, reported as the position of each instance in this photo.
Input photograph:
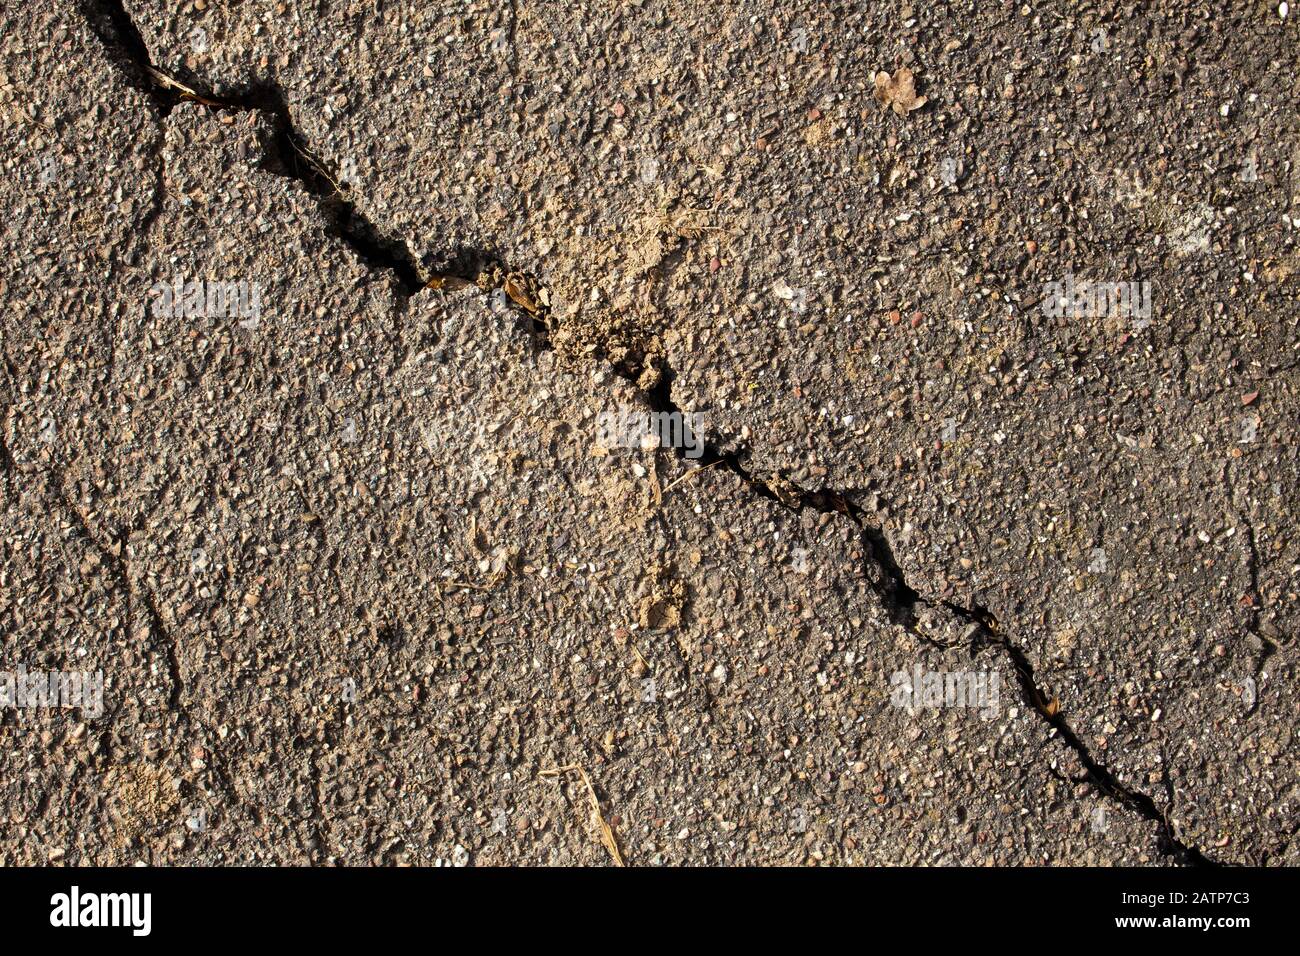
(171, 83)
(690, 474)
(317, 167)
(606, 831)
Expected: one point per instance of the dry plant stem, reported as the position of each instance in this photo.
(606, 832)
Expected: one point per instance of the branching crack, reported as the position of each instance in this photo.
(287, 154)
(113, 557)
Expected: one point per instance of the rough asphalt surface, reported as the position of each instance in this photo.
(364, 584)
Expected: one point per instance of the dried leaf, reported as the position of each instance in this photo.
(519, 293)
(898, 91)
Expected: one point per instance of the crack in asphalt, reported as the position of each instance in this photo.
(1099, 774)
(159, 635)
(900, 601)
(114, 557)
(6, 459)
(287, 154)
(7, 466)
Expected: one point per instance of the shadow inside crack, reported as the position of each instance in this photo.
(284, 151)
(286, 154)
(987, 634)
(120, 36)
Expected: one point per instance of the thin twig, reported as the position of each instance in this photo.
(606, 832)
(690, 474)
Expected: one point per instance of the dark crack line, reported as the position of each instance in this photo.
(285, 150)
(6, 459)
(881, 569)
(987, 633)
(288, 155)
(163, 636)
(119, 34)
(7, 465)
(900, 601)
